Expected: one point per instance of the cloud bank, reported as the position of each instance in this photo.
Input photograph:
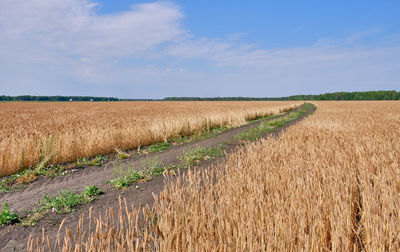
(65, 47)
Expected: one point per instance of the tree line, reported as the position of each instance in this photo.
(55, 98)
(369, 95)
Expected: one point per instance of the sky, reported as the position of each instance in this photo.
(156, 49)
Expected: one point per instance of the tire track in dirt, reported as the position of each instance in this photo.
(17, 236)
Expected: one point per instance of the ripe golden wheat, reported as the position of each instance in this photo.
(64, 132)
(331, 182)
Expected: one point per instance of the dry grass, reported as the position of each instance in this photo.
(330, 183)
(63, 132)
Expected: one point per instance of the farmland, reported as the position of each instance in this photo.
(64, 132)
(331, 182)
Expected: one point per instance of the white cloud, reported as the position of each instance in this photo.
(72, 27)
(227, 54)
(65, 46)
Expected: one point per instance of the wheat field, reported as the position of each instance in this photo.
(329, 183)
(64, 132)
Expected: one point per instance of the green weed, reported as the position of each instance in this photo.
(158, 147)
(126, 177)
(7, 217)
(92, 191)
(97, 161)
(66, 200)
(194, 157)
(150, 168)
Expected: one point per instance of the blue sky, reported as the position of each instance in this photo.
(280, 24)
(153, 49)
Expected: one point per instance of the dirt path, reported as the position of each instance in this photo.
(14, 238)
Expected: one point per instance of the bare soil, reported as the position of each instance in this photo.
(14, 238)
